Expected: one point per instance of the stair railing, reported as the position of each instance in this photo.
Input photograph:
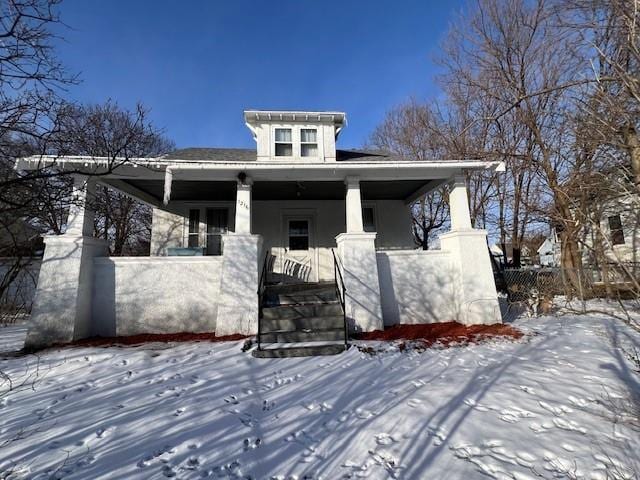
(261, 288)
(341, 292)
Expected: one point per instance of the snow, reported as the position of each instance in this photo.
(553, 405)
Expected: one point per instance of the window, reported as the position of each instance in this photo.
(308, 142)
(369, 219)
(298, 235)
(194, 228)
(217, 225)
(284, 143)
(617, 232)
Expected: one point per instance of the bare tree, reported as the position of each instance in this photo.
(110, 131)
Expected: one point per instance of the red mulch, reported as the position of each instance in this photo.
(444, 333)
(155, 337)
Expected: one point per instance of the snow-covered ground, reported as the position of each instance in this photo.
(554, 405)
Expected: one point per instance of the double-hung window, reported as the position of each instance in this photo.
(308, 142)
(194, 228)
(284, 142)
(616, 229)
(369, 219)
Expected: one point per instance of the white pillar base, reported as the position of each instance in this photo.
(62, 306)
(474, 286)
(238, 307)
(357, 251)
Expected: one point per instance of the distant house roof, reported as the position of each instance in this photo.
(249, 155)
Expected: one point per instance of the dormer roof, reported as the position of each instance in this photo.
(337, 118)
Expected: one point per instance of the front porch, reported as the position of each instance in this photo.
(231, 218)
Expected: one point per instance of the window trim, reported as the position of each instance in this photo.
(303, 143)
(183, 209)
(277, 142)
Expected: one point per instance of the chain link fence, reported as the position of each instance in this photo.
(527, 285)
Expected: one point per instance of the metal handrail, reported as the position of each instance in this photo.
(341, 292)
(261, 288)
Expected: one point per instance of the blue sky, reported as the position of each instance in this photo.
(198, 64)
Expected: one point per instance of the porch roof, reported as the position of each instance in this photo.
(141, 177)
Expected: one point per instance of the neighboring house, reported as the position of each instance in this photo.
(619, 230)
(498, 254)
(549, 251)
(227, 220)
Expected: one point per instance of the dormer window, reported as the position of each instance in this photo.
(284, 142)
(308, 142)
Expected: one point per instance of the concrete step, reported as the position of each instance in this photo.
(298, 287)
(306, 310)
(324, 295)
(300, 336)
(308, 351)
(269, 325)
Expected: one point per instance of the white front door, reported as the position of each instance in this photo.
(297, 262)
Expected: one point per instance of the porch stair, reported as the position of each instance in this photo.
(301, 320)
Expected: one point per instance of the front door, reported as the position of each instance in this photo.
(297, 263)
(217, 225)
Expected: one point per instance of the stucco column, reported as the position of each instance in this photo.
(353, 202)
(357, 253)
(243, 206)
(475, 295)
(62, 308)
(81, 215)
(459, 203)
(238, 302)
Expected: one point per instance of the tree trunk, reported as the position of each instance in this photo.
(633, 146)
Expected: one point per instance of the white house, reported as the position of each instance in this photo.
(228, 221)
(549, 251)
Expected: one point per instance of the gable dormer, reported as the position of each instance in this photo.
(295, 136)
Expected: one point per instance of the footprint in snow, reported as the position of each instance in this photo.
(559, 410)
(578, 402)
(527, 389)
(385, 439)
(414, 402)
(569, 425)
(232, 399)
(179, 412)
(363, 414)
(515, 414)
(250, 443)
(104, 431)
(540, 427)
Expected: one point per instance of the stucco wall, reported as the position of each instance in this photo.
(416, 286)
(135, 295)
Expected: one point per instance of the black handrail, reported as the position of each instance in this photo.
(341, 292)
(261, 287)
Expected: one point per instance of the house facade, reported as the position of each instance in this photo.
(296, 211)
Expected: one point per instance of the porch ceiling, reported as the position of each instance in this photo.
(187, 190)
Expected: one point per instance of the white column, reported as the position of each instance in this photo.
(243, 206)
(63, 305)
(80, 219)
(353, 202)
(475, 298)
(459, 204)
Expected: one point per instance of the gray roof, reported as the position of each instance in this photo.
(249, 155)
(213, 154)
